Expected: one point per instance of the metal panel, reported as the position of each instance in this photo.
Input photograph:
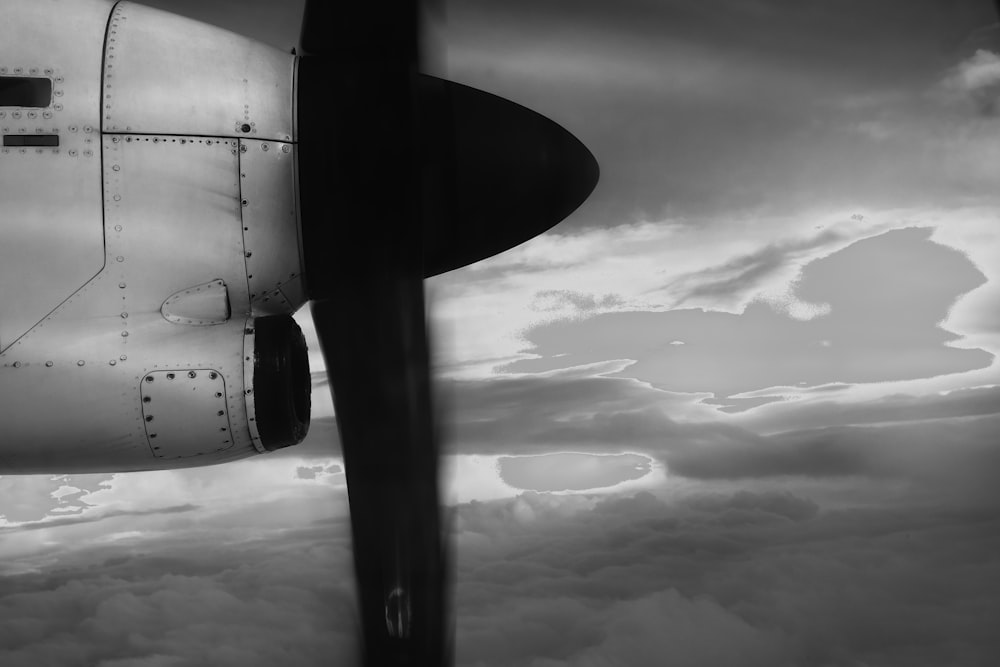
(168, 74)
(172, 207)
(199, 305)
(185, 413)
(70, 55)
(72, 403)
(51, 239)
(70, 386)
(51, 233)
(270, 225)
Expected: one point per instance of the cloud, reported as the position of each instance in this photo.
(551, 300)
(978, 79)
(96, 516)
(971, 402)
(744, 274)
(740, 579)
(935, 445)
(886, 296)
(185, 599)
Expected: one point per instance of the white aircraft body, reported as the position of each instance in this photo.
(149, 248)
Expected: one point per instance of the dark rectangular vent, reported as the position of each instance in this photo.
(25, 91)
(31, 140)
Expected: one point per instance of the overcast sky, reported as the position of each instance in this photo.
(741, 408)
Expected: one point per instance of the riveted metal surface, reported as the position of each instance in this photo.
(270, 224)
(199, 305)
(168, 74)
(70, 56)
(176, 200)
(51, 235)
(48, 193)
(185, 412)
(173, 216)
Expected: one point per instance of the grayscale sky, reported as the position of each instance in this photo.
(741, 408)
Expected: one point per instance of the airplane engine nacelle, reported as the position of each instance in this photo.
(150, 256)
(201, 395)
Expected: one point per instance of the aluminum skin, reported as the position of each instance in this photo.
(137, 253)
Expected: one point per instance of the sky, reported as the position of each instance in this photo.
(741, 408)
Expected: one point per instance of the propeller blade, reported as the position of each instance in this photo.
(403, 176)
(373, 340)
(365, 276)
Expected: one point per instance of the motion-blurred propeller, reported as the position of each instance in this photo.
(404, 176)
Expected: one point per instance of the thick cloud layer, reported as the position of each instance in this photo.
(185, 598)
(744, 579)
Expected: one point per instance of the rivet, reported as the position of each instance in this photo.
(124, 334)
(113, 362)
(213, 375)
(81, 362)
(123, 357)
(149, 378)
(48, 364)
(33, 70)
(146, 399)
(249, 253)
(149, 418)
(243, 148)
(285, 149)
(48, 70)
(192, 374)
(121, 285)
(245, 127)
(244, 202)
(119, 258)
(118, 228)
(15, 114)
(58, 107)
(249, 391)
(88, 128)
(73, 152)
(116, 197)
(32, 114)
(115, 139)
(264, 147)
(17, 364)
(88, 153)
(170, 376)
(218, 394)
(223, 429)
(116, 168)
(124, 315)
(46, 114)
(221, 413)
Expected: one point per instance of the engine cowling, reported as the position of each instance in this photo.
(203, 394)
(149, 245)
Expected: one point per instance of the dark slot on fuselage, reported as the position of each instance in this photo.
(31, 140)
(25, 91)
